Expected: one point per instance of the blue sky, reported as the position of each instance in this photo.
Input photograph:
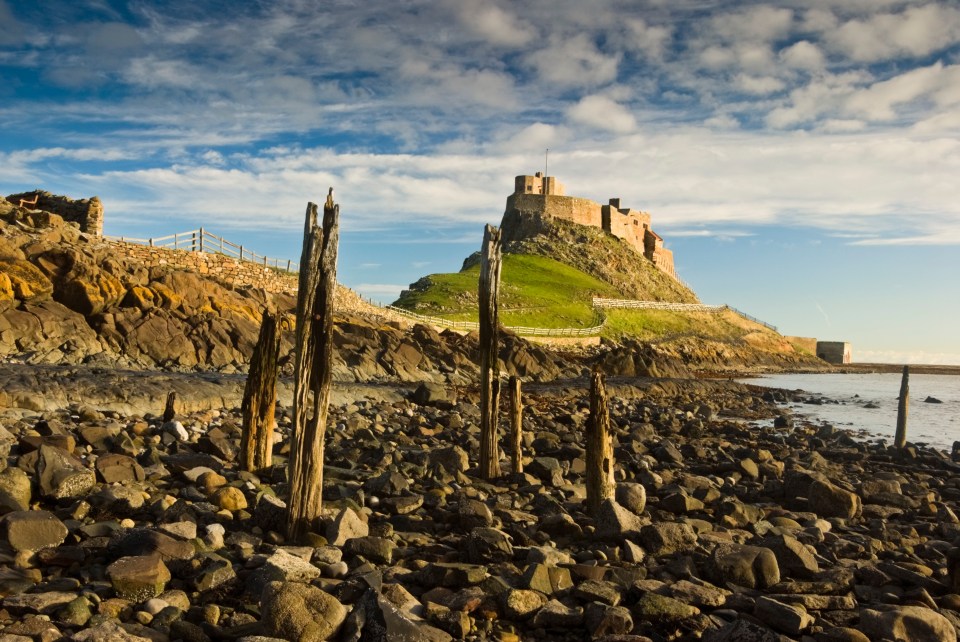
(800, 157)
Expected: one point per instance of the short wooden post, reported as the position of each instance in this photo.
(201, 239)
(260, 399)
(904, 404)
(599, 464)
(241, 252)
(312, 369)
(516, 424)
(489, 339)
(169, 410)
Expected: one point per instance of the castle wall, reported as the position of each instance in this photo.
(88, 212)
(224, 269)
(631, 227)
(836, 352)
(570, 208)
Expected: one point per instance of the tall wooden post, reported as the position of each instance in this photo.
(260, 399)
(170, 410)
(312, 375)
(489, 340)
(599, 464)
(901, 438)
(516, 425)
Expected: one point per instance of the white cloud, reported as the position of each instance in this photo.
(803, 55)
(880, 100)
(760, 23)
(652, 40)
(759, 85)
(917, 31)
(601, 112)
(574, 62)
(495, 25)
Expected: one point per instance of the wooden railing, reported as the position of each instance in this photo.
(201, 240)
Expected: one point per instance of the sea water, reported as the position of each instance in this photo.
(868, 402)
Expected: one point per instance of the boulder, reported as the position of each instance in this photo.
(61, 475)
(32, 530)
(907, 623)
(632, 496)
(294, 611)
(15, 490)
(138, 578)
(828, 500)
(114, 468)
(665, 538)
(616, 523)
(749, 566)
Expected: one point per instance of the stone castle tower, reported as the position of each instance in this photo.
(538, 197)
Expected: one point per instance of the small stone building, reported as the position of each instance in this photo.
(836, 352)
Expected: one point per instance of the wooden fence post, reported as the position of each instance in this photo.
(902, 406)
(312, 373)
(599, 464)
(201, 239)
(260, 399)
(516, 424)
(489, 339)
(169, 410)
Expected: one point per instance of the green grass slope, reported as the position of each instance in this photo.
(535, 291)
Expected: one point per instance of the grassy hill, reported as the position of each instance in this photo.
(534, 291)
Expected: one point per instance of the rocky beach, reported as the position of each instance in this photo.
(123, 519)
(121, 526)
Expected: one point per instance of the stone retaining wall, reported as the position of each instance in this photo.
(224, 269)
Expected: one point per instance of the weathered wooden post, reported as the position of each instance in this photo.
(901, 438)
(260, 399)
(599, 464)
(169, 410)
(516, 424)
(312, 375)
(489, 340)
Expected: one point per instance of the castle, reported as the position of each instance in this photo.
(541, 197)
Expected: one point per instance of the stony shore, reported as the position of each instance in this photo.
(730, 523)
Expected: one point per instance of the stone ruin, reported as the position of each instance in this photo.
(545, 197)
(87, 212)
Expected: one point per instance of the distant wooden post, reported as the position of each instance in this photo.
(169, 410)
(901, 438)
(489, 340)
(312, 375)
(260, 399)
(516, 424)
(599, 464)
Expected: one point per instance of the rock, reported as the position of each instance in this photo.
(907, 623)
(473, 514)
(34, 530)
(557, 615)
(118, 468)
(521, 604)
(546, 579)
(546, 469)
(616, 523)
(632, 496)
(793, 557)
(61, 475)
(488, 545)
(433, 394)
(665, 538)
(452, 459)
(828, 500)
(345, 526)
(376, 619)
(301, 612)
(598, 591)
(607, 621)
(741, 630)
(660, 609)
(791, 619)
(139, 578)
(270, 513)
(44, 603)
(378, 550)
(142, 541)
(15, 490)
(108, 631)
(749, 566)
(230, 498)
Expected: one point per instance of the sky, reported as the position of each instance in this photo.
(800, 157)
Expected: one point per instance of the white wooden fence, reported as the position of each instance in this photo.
(201, 240)
(632, 304)
(521, 330)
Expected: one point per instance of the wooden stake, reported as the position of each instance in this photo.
(901, 438)
(599, 464)
(489, 339)
(516, 424)
(169, 411)
(260, 399)
(312, 374)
